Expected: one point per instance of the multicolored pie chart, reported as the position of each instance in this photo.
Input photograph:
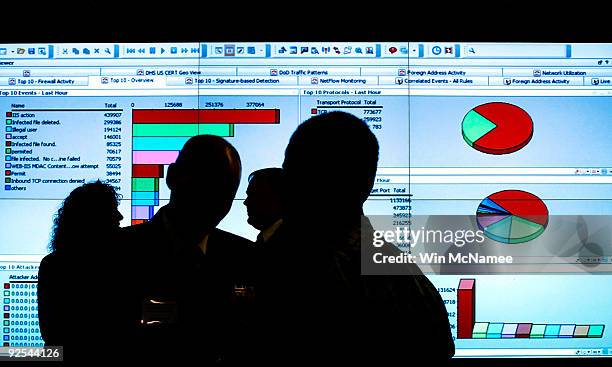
(512, 216)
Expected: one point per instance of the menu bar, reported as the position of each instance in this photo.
(419, 50)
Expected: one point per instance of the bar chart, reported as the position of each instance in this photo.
(469, 328)
(159, 134)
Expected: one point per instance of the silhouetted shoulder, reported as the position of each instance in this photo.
(49, 260)
(140, 237)
(230, 238)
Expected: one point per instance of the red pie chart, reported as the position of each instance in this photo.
(497, 128)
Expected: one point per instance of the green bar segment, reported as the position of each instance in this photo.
(537, 331)
(145, 184)
(480, 330)
(188, 130)
(595, 331)
(223, 130)
(475, 126)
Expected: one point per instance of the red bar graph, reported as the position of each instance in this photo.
(206, 116)
(148, 170)
(466, 308)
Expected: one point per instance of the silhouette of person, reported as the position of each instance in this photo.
(264, 202)
(71, 279)
(318, 304)
(189, 273)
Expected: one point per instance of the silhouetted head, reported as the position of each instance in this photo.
(330, 165)
(264, 197)
(203, 181)
(87, 215)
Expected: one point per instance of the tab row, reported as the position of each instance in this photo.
(172, 78)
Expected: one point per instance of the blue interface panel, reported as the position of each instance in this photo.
(73, 113)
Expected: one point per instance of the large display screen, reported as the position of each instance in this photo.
(459, 125)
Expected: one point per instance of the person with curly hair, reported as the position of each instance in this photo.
(71, 278)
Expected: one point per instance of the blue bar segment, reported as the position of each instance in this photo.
(142, 202)
(145, 195)
(552, 331)
(495, 330)
(158, 143)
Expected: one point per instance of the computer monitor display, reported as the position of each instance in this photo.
(461, 126)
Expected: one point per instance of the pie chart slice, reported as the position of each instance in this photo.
(512, 216)
(497, 128)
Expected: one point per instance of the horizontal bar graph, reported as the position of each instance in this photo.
(206, 116)
(159, 134)
(468, 328)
